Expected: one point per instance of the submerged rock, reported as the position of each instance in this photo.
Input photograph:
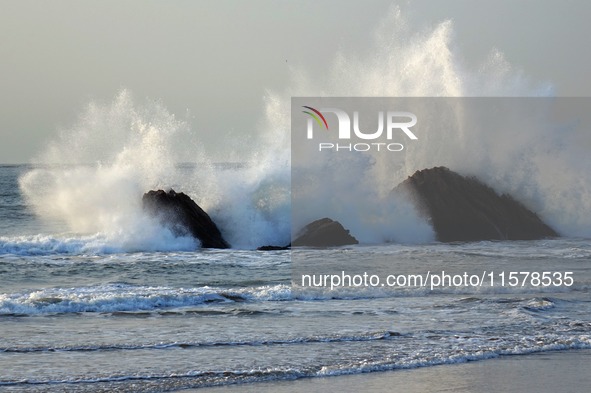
(324, 233)
(183, 216)
(274, 248)
(464, 209)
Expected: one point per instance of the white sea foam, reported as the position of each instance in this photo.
(162, 240)
(121, 297)
(410, 360)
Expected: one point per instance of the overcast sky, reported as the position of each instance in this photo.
(208, 56)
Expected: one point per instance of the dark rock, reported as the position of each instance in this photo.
(464, 209)
(183, 216)
(274, 248)
(324, 233)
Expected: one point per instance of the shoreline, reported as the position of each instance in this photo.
(542, 372)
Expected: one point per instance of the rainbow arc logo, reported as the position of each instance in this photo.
(314, 114)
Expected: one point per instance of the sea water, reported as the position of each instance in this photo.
(76, 315)
(97, 296)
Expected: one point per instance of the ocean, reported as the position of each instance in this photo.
(84, 311)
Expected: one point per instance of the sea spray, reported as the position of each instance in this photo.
(533, 157)
(252, 203)
(93, 175)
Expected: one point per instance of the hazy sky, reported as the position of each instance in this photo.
(208, 56)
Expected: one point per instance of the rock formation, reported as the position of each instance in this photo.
(324, 233)
(464, 209)
(274, 248)
(183, 216)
